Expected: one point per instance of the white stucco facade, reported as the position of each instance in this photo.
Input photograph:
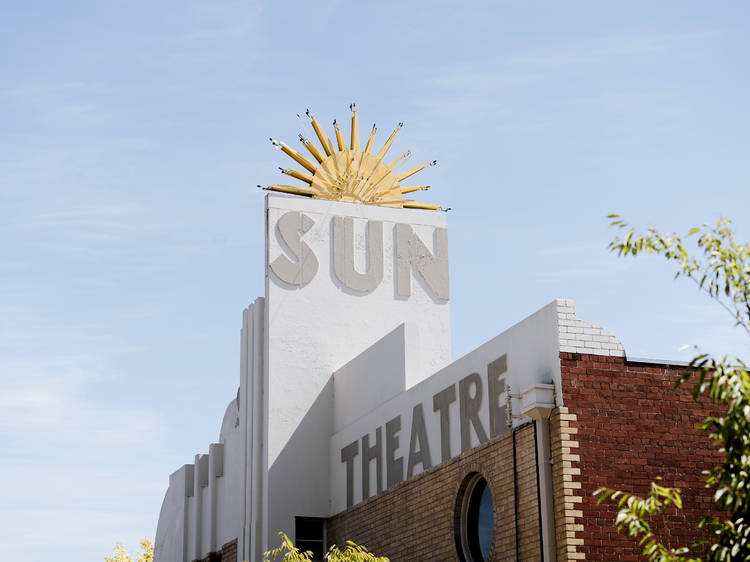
(352, 339)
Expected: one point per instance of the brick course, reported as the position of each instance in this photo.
(229, 551)
(416, 519)
(632, 427)
(566, 486)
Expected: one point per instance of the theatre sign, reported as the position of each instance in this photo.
(347, 387)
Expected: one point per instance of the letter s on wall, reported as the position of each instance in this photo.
(290, 227)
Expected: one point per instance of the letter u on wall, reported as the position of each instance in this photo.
(343, 255)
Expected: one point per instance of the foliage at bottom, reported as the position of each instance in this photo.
(352, 552)
(145, 554)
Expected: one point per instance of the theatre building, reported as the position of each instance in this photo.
(352, 421)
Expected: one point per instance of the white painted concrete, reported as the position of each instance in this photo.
(325, 362)
(531, 347)
(170, 543)
(316, 327)
(228, 501)
(374, 376)
(203, 510)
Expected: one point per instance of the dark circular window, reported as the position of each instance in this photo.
(475, 514)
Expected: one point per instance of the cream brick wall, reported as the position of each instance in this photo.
(416, 519)
(577, 336)
(567, 488)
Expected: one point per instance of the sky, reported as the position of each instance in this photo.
(131, 229)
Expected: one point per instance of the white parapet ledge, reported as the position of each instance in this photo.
(538, 401)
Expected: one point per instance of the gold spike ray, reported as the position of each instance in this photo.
(370, 140)
(297, 175)
(294, 189)
(322, 137)
(408, 173)
(411, 204)
(387, 146)
(312, 148)
(413, 188)
(339, 136)
(400, 160)
(355, 128)
(296, 156)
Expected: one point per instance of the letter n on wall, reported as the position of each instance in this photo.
(411, 252)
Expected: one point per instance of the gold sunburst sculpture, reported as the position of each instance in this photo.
(349, 173)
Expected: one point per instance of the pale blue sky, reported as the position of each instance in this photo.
(133, 135)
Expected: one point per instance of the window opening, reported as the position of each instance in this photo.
(476, 519)
(310, 534)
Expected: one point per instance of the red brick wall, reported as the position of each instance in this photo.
(632, 427)
(415, 520)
